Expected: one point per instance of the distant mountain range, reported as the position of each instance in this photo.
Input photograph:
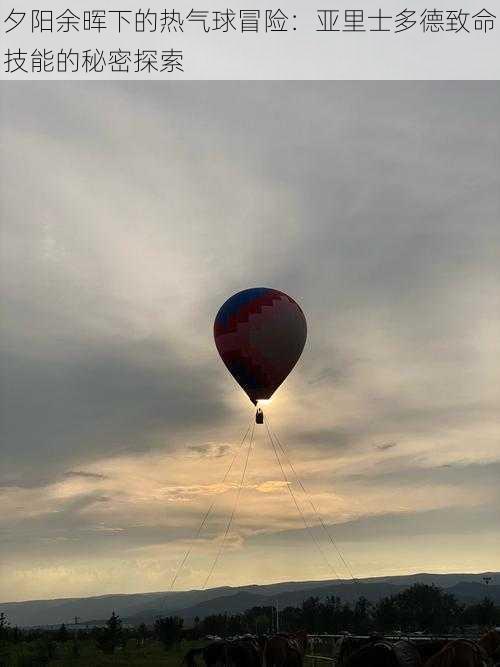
(144, 607)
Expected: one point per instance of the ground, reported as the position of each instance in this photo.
(88, 655)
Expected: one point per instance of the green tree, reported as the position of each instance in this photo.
(483, 613)
(109, 638)
(4, 626)
(362, 619)
(62, 634)
(291, 619)
(169, 630)
(418, 608)
(386, 614)
(311, 613)
(4, 634)
(142, 634)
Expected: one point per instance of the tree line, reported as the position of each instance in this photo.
(35, 647)
(419, 608)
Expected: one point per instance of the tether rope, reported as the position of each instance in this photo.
(235, 507)
(313, 507)
(299, 510)
(209, 511)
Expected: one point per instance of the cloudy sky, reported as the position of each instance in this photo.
(130, 212)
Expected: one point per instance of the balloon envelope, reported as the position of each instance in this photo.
(260, 334)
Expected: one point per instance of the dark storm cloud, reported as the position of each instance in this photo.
(342, 368)
(464, 521)
(383, 446)
(12, 482)
(34, 482)
(84, 474)
(326, 374)
(401, 472)
(105, 400)
(334, 438)
(78, 526)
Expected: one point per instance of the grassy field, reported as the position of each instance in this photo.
(88, 655)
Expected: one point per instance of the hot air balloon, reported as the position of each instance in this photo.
(260, 334)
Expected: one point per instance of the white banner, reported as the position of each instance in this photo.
(361, 39)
